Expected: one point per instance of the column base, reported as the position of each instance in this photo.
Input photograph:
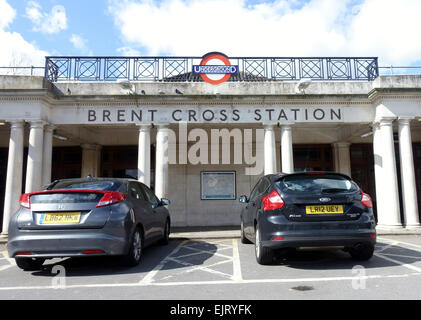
(413, 227)
(389, 227)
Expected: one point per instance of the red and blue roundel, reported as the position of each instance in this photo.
(215, 68)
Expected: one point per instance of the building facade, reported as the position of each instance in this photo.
(203, 145)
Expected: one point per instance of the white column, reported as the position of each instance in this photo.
(342, 157)
(387, 196)
(47, 154)
(161, 166)
(144, 155)
(286, 150)
(35, 150)
(270, 150)
(14, 173)
(91, 160)
(409, 189)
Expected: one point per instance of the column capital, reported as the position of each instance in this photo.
(341, 144)
(37, 123)
(162, 126)
(16, 123)
(144, 127)
(286, 127)
(269, 125)
(49, 127)
(91, 146)
(386, 121)
(405, 120)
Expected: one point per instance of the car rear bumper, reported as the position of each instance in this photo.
(280, 233)
(64, 243)
(318, 239)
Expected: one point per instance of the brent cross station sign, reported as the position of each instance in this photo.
(215, 73)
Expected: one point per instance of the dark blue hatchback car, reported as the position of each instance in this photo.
(308, 209)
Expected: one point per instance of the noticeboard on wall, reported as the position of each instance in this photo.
(218, 185)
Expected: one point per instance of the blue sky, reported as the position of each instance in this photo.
(384, 28)
(88, 19)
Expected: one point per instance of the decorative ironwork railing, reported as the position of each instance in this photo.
(179, 69)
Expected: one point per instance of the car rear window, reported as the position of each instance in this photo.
(66, 197)
(316, 183)
(107, 185)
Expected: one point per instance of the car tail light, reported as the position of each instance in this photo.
(273, 201)
(93, 251)
(315, 173)
(366, 200)
(23, 253)
(277, 238)
(25, 200)
(110, 197)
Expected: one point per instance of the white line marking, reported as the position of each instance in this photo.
(398, 241)
(212, 282)
(387, 246)
(401, 256)
(6, 256)
(149, 277)
(214, 253)
(236, 265)
(399, 263)
(202, 268)
(6, 267)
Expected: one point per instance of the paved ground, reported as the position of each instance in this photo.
(219, 269)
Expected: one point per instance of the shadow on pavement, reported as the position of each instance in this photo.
(152, 256)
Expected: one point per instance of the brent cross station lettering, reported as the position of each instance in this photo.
(127, 117)
(174, 115)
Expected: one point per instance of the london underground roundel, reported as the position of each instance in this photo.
(215, 68)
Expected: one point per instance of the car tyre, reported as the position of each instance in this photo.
(132, 258)
(166, 238)
(29, 264)
(264, 255)
(362, 252)
(243, 235)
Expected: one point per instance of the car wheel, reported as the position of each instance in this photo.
(362, 251)
(243, 236)
(263, 255)
(29, 264)
(135, 250)
(166, 238)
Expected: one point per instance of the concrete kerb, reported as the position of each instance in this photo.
(226, 233)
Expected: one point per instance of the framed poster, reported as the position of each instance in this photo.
(218, 185)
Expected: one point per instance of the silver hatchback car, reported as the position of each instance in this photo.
(87, 217)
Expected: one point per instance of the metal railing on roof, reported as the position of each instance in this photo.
(40, 71)
(23, 71)
(179, 69)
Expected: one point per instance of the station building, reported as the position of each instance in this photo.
(170, 130)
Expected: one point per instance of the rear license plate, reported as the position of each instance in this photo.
(60, 218)
(325, 209)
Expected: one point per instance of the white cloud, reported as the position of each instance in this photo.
(385, 28)
(81, 44)
(50, 23)
(128, 52)
(7, 14)
(15, 50)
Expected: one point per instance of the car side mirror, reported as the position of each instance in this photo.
(165, 202)
(243, 199)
